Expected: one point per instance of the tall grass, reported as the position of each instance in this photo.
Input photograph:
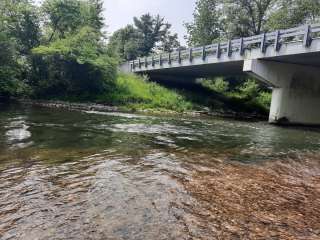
(136, 92)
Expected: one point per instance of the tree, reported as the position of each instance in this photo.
(66, 16)
(153, 29)
(126, 43)
(216, 20)
(19, 33)
(292, 13)
(77, 64)
(169, 43)
(246, 17)
(207, 25)
(147, 35)
(22, 23)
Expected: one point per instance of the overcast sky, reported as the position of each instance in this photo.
(119, 13)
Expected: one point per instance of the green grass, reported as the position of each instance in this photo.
(136, 92)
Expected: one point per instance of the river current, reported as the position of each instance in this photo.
(93, 175)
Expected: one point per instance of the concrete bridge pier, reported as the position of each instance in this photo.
(296, 91)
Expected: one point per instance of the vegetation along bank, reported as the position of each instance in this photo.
(60, 51)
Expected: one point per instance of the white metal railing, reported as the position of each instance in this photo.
(304, 34)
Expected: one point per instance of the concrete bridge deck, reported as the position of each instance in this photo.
(288, 60)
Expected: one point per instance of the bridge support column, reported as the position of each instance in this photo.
(296, 91)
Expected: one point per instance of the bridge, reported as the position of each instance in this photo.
(287, 60)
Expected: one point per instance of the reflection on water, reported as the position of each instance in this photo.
(72, 175)
(17, 133)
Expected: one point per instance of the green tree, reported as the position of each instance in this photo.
(169, 42)
(292, 13)
(126, 43)
(245, 17)
(11, 82)
(19, 33)
(22, 23)
(216, 20)
(73, 59)
(66, 16)
(147, 35)
(77, 64)
(207, 24)
(153, 30)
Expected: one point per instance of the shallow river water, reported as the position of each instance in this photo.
(90, 175)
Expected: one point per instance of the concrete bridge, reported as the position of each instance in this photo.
(287, 60)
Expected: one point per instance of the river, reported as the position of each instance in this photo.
(92, 175)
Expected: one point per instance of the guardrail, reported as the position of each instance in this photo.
(304, 34)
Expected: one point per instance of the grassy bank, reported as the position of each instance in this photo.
(132, 92)
(136, 92)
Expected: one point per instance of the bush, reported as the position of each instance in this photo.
(77, 64)
(218, 84)
(264, 99)
(249, 89)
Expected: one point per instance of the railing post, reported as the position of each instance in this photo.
(146, 62)
(139, 62)
(179, 55)
(218, 50)
(133, 65)
(229, 48)
(169, 58)
(241, 48)
(307, 40)
(263, 43)
(160, 60)
(152, 61)
(190, 55)
(204, 53)
(277, 43)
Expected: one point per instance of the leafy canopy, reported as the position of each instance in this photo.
(147, 35)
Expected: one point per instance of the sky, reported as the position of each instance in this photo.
(119, 13)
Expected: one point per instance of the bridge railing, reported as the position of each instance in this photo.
(304, 34)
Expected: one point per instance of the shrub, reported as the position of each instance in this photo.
(77, 64)
(217, 84)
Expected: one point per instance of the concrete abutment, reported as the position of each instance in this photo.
(295, 94)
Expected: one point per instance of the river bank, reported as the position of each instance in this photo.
(76, 106)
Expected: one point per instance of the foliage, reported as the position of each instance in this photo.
(18, 34)
(215, 20)
(148, 34)
(264, 99)
(126, 43)
(207, 25)
(20, 20)
(294, 12)
(249, 91)
(218, 84)
(77, 64)
(137, 92)
(66, 16)
(245, 18)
